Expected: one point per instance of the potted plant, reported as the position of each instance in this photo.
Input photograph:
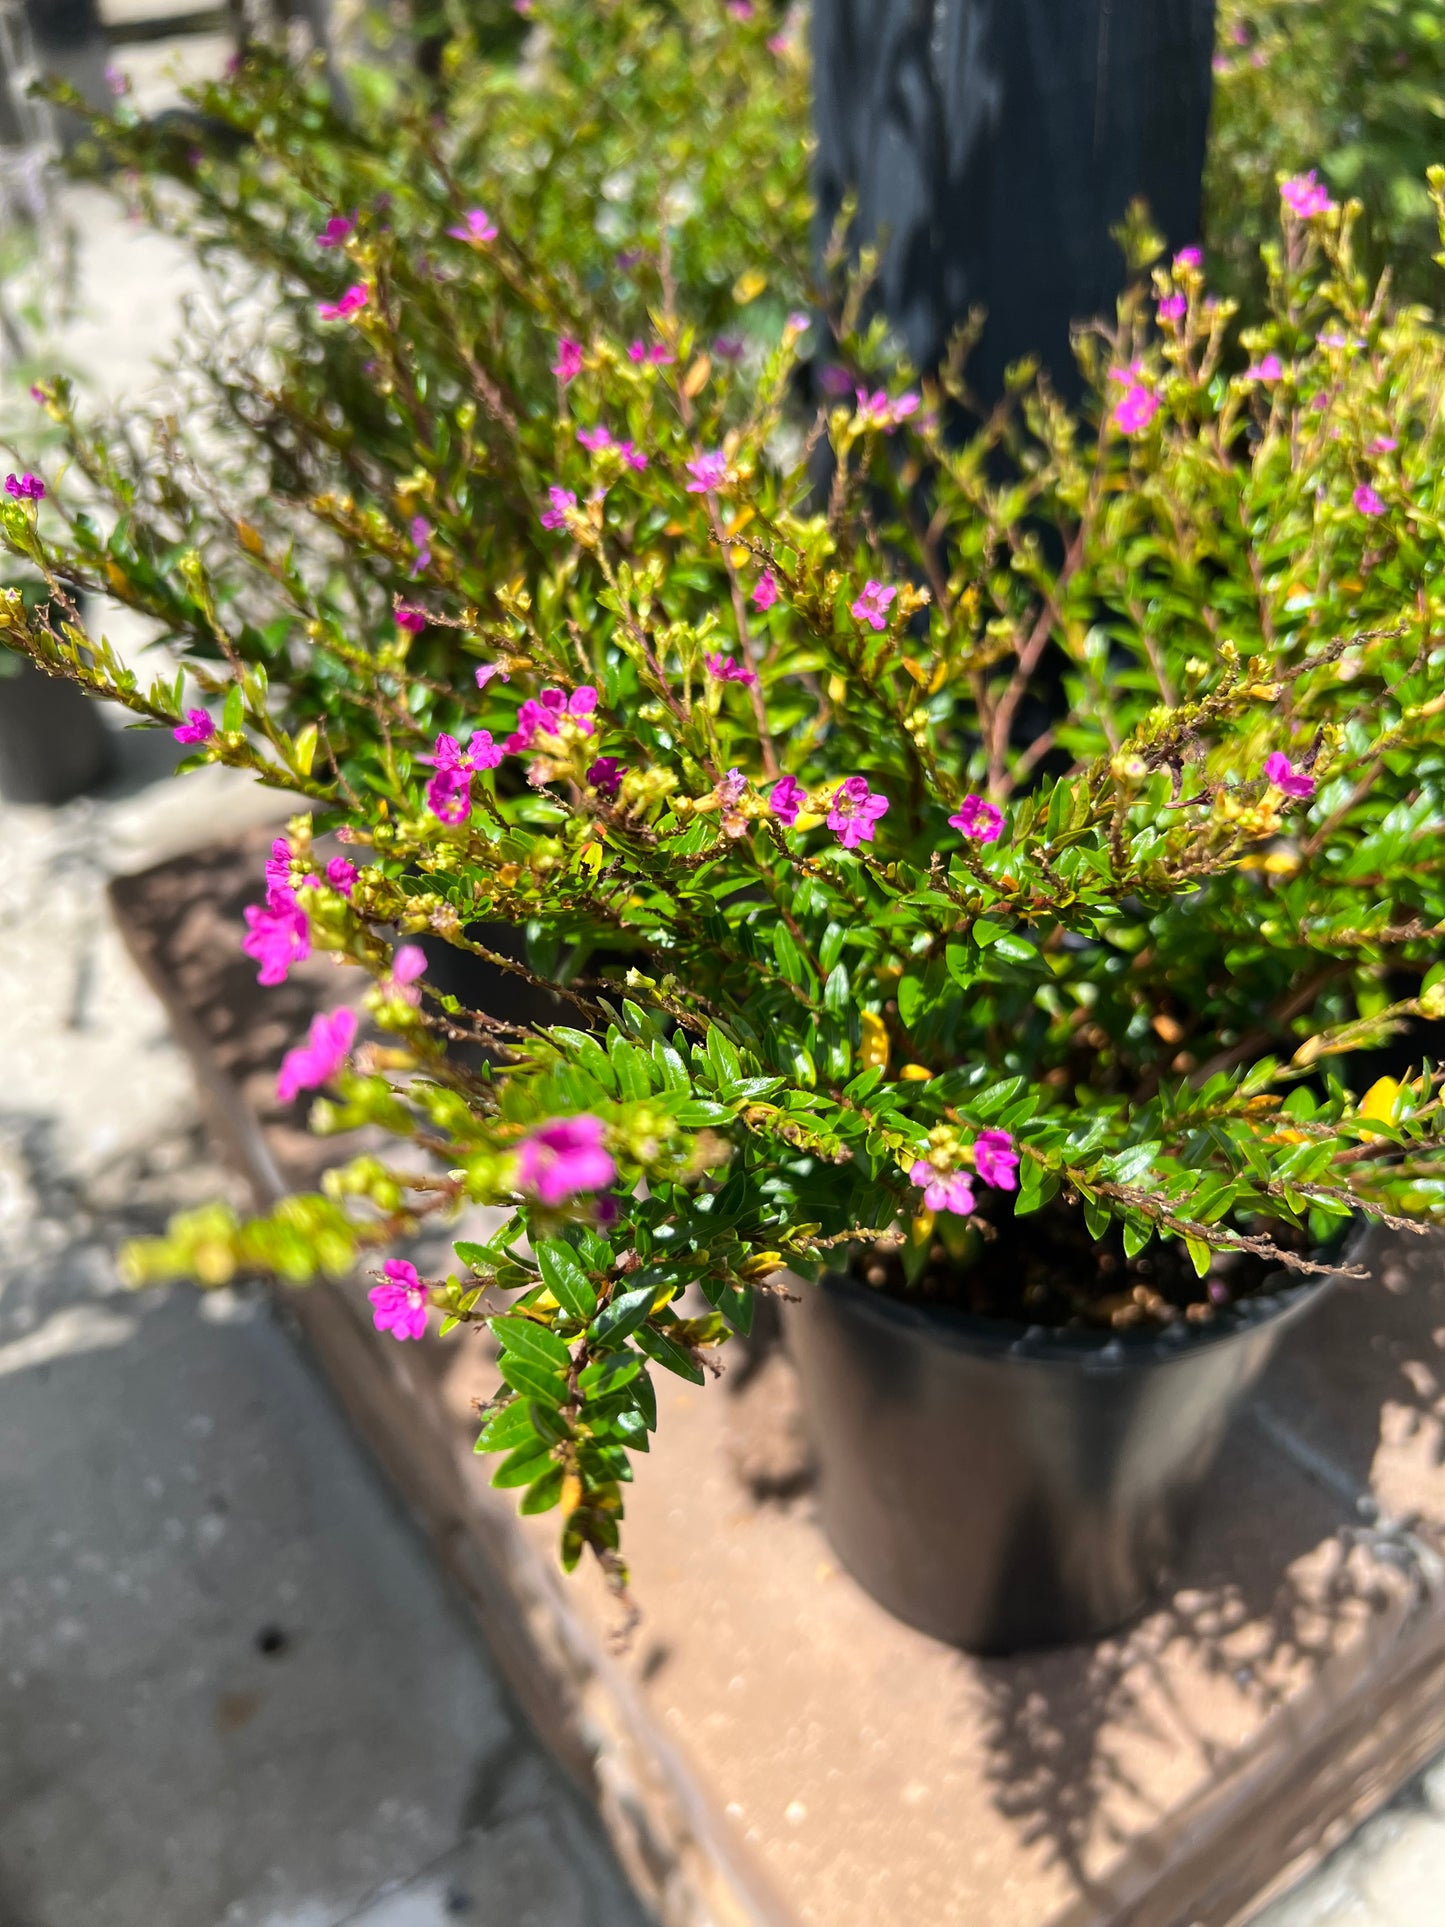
(1028, 1040)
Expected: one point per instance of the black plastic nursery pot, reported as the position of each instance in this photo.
(53, 743)
(1002, 1487)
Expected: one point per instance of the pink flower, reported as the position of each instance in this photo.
(854, 811)
(337, 231)
(486, 671)
(943, 1193)
(979, 820)
(117, 82)
(568, 365)
(316, 1062)
(731, 790)
(355, 299)
(997, 1160)
(276, 939)
(449, 793)
(798, 322)
(408, 963)
(835, 380)
(725, 669)
(707, 471)
(605, 776)
(551, 709)
(1173, 307)
(1305, 196)
(787, 799)
(741, 9)
(872, 606)
(1367, 501)
(197, 728)
(477, 228)
(399, 1307)
(561, 500)
(421, 542)
(1284, 776)
(341, 875)
(1383, 445)
(657, 354)
(878, 411)
(277, 872)
(766, 592)
(1135, 408)
(25, 488)
(564, 1157)
(596, 438)
(408, 616)
(1188, 258)
(778, 43)
(1269, 369)
(729, 347)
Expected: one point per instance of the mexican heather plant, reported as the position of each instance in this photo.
(1037, 821)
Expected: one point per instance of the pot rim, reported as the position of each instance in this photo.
(1054, 1345)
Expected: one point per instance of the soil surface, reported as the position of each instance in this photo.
(1049, 1269)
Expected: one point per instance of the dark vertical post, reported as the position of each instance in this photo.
(992, 144)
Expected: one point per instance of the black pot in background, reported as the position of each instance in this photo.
(1002, 1488)
(53, 743)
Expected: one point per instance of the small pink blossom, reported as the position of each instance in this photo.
(408, 964)
(787, 799)
(337, 232)
(1367, 500)
(118, 82)
(421, 541)
(997, 1159)
(600, 439)
(979, 820)
(741, 9)
(565, 1157)
(1135, 408)
(1173, 307)
(25, 488)
(1305, 196)
(731, 790)
(1383, 445)
(707, 472)
(317, 1061)
(276, 939)
(548, 712)
(779, 44)
(560, 500)
(352, 302)
(449, 793)
(728, 669)
(834, 380)
(341, 875)
(277, 873)
(951, 1192)
(486, 670)
(408, 616)
(477, 228)
(873, 604)
(568, 365)
(197, 728)
(765, 593)
(729, 347)
(605, 776)
(1270, 368)
(1188, 258)
(879, 411)
(399, 1306)
(1284, 776)
(658, 355)
(854, 812)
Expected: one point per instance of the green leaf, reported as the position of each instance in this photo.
(507, 1429)
(544, 1493)
(523, 1465)
(1200, 1255)
(565, 1278)
(662, 1350)
(622, 1316)
(524, 1375)
(233, 714)
(529, 1340)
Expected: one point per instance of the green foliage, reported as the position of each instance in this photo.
(1153, 980)
(1355, 88)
